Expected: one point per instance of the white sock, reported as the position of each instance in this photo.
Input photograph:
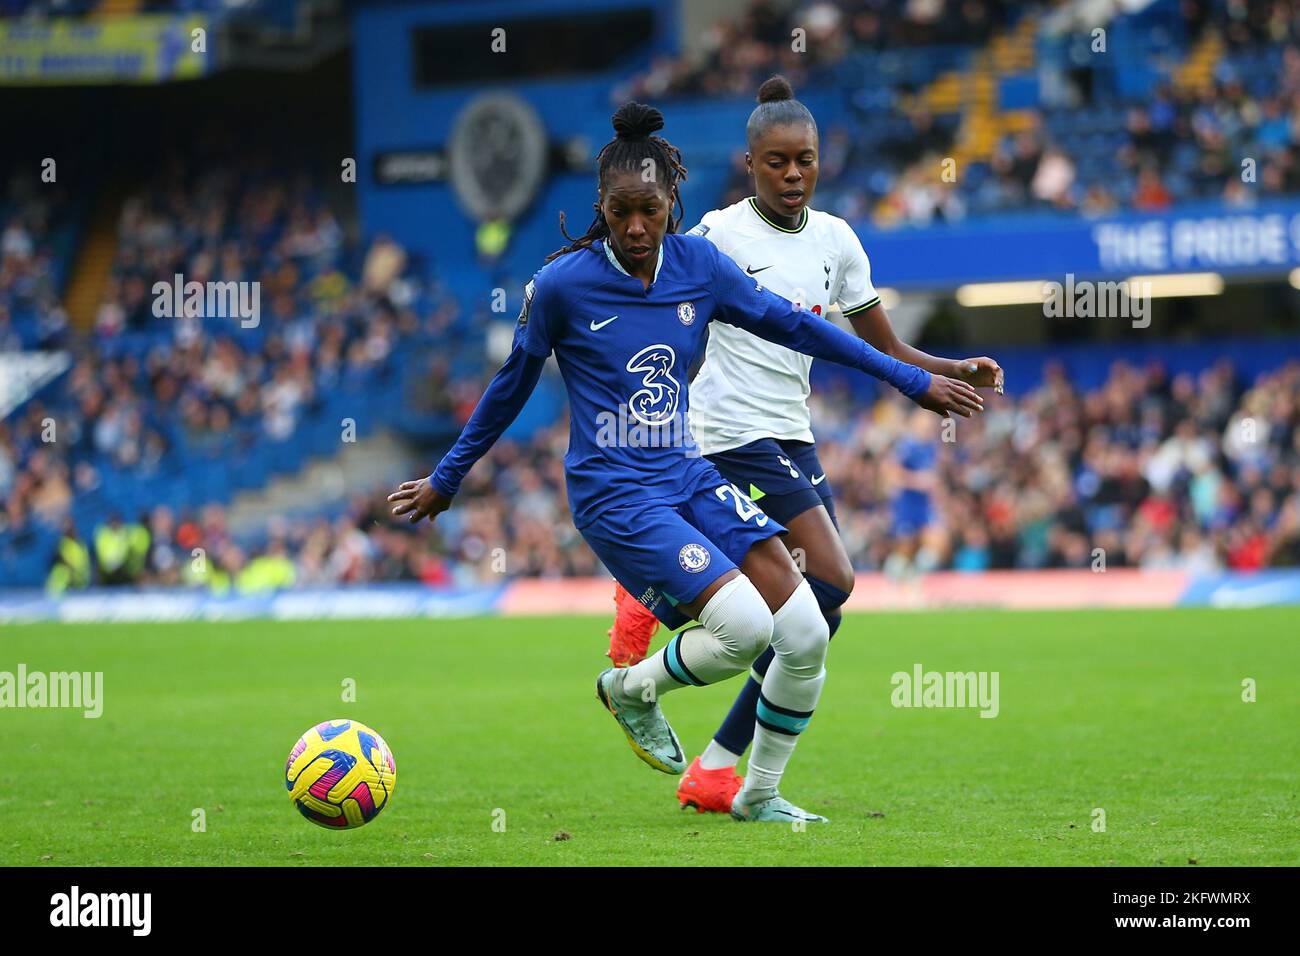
(736, 628)
(790, 692)
(716, 757)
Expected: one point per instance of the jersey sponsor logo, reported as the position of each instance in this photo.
(597, 326)
(818, 479)
(694, 557)
(686, 313)
(700, 230)
(650, 598)
(655, 403)
(752, 271)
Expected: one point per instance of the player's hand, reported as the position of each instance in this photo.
(948, 395)
(419, 499)
(982, 372)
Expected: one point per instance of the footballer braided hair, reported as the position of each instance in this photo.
(633, 144)
(776, 107)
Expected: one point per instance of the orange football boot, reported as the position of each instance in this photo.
(634, 626)
(708, 791)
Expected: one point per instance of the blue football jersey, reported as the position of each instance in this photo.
(624, 351)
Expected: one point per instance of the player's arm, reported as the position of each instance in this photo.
(500, 405)
(873, 326)
(741, 302)
(862, 307)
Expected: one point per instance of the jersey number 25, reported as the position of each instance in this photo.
(745, 508)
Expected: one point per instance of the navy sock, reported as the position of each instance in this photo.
(737, 730)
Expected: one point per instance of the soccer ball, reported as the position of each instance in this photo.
(340, 774)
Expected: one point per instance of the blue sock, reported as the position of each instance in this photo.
(737, 730)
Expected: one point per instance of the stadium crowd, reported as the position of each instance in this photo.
(149, 396)
(1190, 472)
(740, 52)
(30, 312)
(1094, 153)
(1194, 472)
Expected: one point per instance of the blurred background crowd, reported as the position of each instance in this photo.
(1199, 473)
(128, 469)
(1086, 150)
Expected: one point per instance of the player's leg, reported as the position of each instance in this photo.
(792, 686)
(813, 539)
(680, 574)
(790, 689)
(791, 486)
(735, 627)
(762, 467)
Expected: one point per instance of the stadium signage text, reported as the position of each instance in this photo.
(1214, 242)
(145, 48)
(1260, 241)
(410, 166)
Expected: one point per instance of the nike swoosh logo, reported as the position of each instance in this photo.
(597, 326)
(819, 479)
(755, 272)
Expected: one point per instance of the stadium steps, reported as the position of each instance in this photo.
(983, 121)
(114, 8)
(378, 461)
(1196, 73)
(94, 261)
(1007, 53)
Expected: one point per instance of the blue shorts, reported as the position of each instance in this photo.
(666, 553)
(911, 514)
(784, 476)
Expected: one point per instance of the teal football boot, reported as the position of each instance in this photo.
(644, 724)
(773, 809)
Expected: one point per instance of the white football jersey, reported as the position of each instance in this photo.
(750, 388)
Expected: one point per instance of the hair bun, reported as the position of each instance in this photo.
(775, 88)
(637, 121)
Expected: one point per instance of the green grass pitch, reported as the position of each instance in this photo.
(1139, 714)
